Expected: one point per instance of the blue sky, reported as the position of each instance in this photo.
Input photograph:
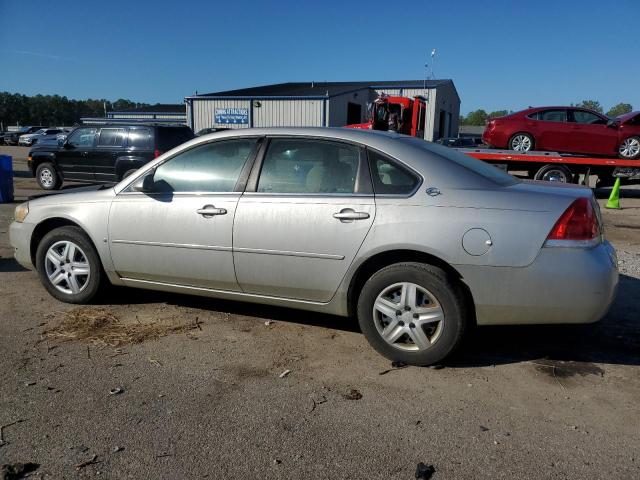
(500, 53)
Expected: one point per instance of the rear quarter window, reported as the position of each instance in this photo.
(390, 178)
(170, 137)
(140, 138)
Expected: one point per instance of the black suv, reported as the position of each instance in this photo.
(103, 154)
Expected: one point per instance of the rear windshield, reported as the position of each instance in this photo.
(169, 137)
(491, 173)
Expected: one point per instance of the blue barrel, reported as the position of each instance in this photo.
(6, 179)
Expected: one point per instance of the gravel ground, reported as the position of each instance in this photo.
(208, 401)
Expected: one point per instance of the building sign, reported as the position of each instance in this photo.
(232, 116)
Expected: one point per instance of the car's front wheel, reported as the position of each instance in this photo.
(47, 177)
(629, 148)
(521, 142)
(412, 313)
(68, 265)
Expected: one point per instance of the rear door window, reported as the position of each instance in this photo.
(111, 137)
(390, 178)
(553, 115)
(309, 167)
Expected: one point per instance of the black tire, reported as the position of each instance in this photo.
(47, 177)
(554, 173)
(79, 238)
(128, 172)
(444, 288)
(632, 151)
(514, 140)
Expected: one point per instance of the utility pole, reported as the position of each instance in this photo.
(428, 74)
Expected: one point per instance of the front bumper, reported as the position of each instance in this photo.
(562, 285)
(20, 240)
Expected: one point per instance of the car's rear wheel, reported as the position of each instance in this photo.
(68, 265)
(629, 148)
(47, 177)
(554, 173)
(521, 142)
(412, 312)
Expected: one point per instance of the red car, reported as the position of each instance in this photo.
(567, 130)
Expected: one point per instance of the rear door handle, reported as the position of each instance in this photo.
(85, 154)
(348, 214)
(209, 211)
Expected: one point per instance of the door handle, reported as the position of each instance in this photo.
(85, 154)
(209, 211)
(348, 215)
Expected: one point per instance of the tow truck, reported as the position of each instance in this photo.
(557, 167)
(411, 113)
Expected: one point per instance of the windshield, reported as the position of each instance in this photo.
(478, 167)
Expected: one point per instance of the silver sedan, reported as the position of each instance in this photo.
(415, 239)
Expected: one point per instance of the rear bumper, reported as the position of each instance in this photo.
(563, 285)
(20, 240)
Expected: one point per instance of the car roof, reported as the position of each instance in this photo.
(428, 158)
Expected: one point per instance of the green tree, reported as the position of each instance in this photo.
(477, 117)
(619, 109)
(591, 104)
(53, 110)
(498, 113)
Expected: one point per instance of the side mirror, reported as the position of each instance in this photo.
(61, 142)
(613, 123)
(144, 184)
(67, 145)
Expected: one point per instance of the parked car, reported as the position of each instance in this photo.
(43, 133)
(102, 154)
(568, 130)
(458, 142)
(411, 237)
(11, 138)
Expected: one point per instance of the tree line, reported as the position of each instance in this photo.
(54, 110)
(480, 116)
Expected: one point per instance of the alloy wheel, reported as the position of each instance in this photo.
(408, 317)
(630, 147)
(46, 178)
(521, 143)
(67, 267)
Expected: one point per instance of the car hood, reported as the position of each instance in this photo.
(89, 194)
(48, 147)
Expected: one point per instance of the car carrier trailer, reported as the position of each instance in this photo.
(556, 167)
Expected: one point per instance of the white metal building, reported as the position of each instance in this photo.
(321, 104)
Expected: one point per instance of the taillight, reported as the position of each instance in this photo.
(578, 222)
(157, 153)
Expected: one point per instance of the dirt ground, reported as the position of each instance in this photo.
(199, 393)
